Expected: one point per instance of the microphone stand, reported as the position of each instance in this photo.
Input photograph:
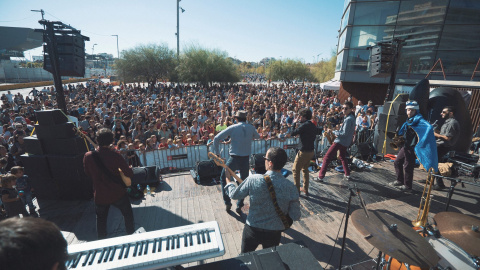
(353, 192)
(451, 189)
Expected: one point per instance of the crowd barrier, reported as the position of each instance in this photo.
(184, 158)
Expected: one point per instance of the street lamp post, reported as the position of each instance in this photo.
(93, 49)
(178, 26)
(118, 52)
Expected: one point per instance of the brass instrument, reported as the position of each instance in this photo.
(397, 142)
(329, 134)
(422, 216)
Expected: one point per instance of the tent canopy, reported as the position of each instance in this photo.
(331, 85)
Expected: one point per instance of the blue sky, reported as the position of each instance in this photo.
(248, 30)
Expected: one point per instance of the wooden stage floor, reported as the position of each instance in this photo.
(179, 201)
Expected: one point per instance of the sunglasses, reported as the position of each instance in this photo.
(345, 108)
(445, 112)
(264, 157)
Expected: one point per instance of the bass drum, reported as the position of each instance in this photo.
(451, 255)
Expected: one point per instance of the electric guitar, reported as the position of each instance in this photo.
(219, 161)
(125, 179)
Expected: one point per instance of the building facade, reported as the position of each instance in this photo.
(431, 29)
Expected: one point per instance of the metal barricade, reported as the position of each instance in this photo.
(184, 158)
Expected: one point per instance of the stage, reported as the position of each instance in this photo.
(179, 201)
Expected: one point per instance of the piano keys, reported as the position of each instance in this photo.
(150, 250)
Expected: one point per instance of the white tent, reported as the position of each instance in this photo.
(331, 85)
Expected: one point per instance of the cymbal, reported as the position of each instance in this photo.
(403, 243)
(461, 229)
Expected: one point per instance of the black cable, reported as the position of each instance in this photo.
(335, 242)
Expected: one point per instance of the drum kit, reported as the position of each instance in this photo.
(453, 244)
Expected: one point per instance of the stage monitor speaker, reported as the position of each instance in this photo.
(51, 117)
(33, 145)
(394, 121)
(60, 131)
(288, 256)
(145, 176)
(36, 165)
(398, 107)
(45, 188)
(71, 146)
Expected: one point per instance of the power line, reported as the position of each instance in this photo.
(82, 29)
(19, 19)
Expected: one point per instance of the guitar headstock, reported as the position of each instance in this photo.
(216, 159)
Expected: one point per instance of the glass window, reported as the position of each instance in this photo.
(376, 13)
(460, 37)
(463, 12)
(358, 60)
(416, 61)
(422, 12)
(345, 19)
(341, 41)
(421, 37)
(458, 63)
(363, 36)
(338, 65)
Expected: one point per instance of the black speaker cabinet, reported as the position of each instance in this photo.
(45, 188)
(62, 166)
(394, 121)
(36, 165)
(33, 145)
(60, 131)
(76, 187)
(50, 117)
(71, 146)
(145, 176)
(398, 108)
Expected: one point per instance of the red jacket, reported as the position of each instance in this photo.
(105, 190)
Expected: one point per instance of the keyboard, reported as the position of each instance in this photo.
(149, 250)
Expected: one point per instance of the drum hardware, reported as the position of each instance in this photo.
(354, 191)
(451, 189)
(403, 243)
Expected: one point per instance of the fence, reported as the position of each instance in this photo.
(188, 156)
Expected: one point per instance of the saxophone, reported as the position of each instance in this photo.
(329, 134)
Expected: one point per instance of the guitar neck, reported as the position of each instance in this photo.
(232, 173)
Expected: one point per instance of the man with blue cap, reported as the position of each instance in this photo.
(419, 142)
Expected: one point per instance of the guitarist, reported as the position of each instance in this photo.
(242, 136)
(108, 191)
(264, 225)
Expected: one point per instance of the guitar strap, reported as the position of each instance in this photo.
(106, 171)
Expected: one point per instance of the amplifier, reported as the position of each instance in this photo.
(466, 169)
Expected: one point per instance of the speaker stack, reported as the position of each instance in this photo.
(54, 159)
(395, 114)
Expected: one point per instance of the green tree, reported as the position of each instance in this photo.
(206, 66)
(287, 70)
(325, 69)
(147, 63)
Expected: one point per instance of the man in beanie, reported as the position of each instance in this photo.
(419, 141)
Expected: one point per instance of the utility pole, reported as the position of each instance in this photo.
(178, 28)
(118, 52)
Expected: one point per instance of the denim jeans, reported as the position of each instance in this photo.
(235, 163)
(123, 204)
